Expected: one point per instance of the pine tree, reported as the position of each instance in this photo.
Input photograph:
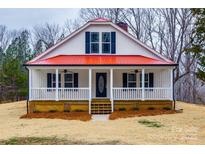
(198, 41)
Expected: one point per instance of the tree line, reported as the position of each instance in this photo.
(171, 32)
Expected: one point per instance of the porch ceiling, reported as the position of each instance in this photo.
(100, 60)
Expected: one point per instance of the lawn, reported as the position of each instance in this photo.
(181, 128)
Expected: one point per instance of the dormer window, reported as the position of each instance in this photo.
(94, 42)
(106, 42)
(100, 42)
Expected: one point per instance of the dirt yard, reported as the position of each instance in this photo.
(182, 128)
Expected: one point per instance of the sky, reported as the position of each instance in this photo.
(27, 18)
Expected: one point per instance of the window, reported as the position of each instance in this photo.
(68, 80)
(94, 42)
(131, 80)
(148, 80)
(106, 42)
(51, 80)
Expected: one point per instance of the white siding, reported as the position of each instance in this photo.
(124, 45)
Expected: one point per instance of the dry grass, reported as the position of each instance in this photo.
(83, 116)
(128, 114)
(184, 128)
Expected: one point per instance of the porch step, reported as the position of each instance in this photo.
(101, 106)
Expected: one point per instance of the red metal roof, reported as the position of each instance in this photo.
(101, 20)
(98, 60)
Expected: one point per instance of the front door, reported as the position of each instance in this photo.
(101, 82)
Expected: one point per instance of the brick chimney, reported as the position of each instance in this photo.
(123, 25)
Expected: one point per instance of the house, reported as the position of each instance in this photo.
(100, 68)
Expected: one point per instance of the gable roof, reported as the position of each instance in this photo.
(100, 60)
(99, 21)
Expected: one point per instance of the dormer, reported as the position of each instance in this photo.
(100, 42)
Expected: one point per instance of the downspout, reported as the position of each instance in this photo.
(173, 88)
(27, 101)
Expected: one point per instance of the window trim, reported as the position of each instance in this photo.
(54, 81)
(69, 81)
(131, 81)
(145, 81)
(94, 43)
(102, 42)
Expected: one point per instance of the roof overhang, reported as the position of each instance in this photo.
(100, 60)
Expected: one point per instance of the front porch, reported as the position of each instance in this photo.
(115, 84)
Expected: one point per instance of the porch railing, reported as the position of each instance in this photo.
(119, 93)
(73, 93)
(63, 94)
(136, 93)
(127, 93)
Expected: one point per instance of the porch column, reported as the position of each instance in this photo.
(90, 89)
(143, 78)
(57, 84)
(111, 88)
(171, 84)
(30, 84)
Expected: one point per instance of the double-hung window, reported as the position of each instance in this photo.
(131, 80)
(148, 80)
(68, 80)
(94, 42)
(106, 42)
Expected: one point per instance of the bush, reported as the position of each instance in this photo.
(52, 111)
(151, 108)
(166, 108)
(79, 110)
(135, 108)
(35, 111)
(122, 109)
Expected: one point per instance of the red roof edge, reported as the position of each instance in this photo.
(101, 20)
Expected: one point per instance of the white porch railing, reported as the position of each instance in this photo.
(63, 93)
(136, 94)
(73, 93)
(127, 93)
(42, 94)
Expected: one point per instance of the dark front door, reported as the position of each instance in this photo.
(101, 82)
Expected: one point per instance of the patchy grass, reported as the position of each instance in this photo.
(83, 116)
(127, 114)
(50, 141)
(149, 123)
(32, 141)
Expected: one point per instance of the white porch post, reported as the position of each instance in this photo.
(111, 88)
(171, 84)
(57, 84)
(143, 78)
(90, 90)
(30, 84)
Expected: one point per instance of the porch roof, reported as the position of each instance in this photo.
(99, 60)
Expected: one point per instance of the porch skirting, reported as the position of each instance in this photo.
(83, 105)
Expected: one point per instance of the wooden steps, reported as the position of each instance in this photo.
(101, 106)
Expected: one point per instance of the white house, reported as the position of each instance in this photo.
(100, 68)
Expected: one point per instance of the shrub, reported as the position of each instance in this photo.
(135, 108)
(52, 111)
(35, 111)
(122, 109)
(166, 108)
(151, 108)
(79, 110)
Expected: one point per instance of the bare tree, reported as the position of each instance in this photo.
(115, 14)
(49, 34)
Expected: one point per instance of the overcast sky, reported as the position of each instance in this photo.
(27, 18)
